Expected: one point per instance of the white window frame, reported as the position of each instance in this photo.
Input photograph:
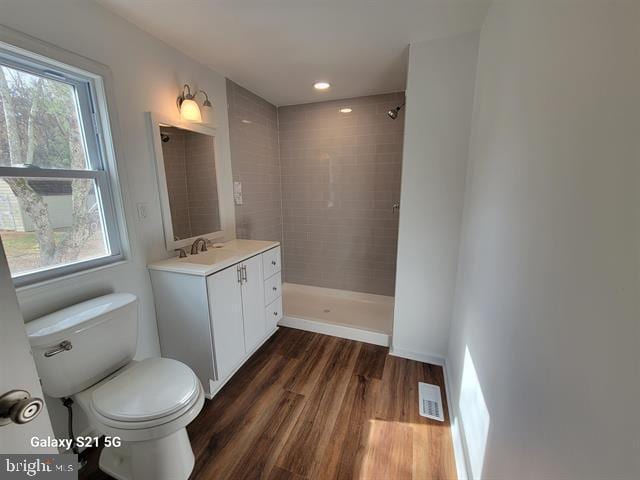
(94, 120)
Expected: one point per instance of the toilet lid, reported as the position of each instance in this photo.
(150, 389)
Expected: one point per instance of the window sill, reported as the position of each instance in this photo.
(34, 288)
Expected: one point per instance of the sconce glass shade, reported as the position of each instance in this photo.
(189, 110)
(208, 114)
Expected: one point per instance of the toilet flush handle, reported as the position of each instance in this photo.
(62, 347)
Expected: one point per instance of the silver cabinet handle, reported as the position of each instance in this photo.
(239, 275)
(62, 347)
(244, 272)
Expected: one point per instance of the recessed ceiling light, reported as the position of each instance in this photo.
(244, 120)
(346, 110)
(321, 85)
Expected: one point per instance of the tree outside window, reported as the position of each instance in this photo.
(45, 221)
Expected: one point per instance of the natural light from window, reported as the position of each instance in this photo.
(52, 181)
(475, 415)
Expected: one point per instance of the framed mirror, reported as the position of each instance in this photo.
(191, 181)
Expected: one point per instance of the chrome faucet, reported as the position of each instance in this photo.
(194, 247)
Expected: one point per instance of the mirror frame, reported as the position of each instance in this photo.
(224, 180)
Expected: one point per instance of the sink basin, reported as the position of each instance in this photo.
(210, 257)
(214, 259)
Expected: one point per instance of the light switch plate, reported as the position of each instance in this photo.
(237, 193)
(143, 210)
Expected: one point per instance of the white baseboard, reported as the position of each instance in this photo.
(417, 356)
(459, 450)
(334, 330)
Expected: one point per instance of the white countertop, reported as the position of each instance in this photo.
(214, 259)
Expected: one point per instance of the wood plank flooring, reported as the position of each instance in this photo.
(311, 406)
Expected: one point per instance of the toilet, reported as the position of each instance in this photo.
(86, 352)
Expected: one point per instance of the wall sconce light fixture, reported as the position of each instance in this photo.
(189, 108)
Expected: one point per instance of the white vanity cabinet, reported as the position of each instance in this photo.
(255, 326)
(225, 304)
(214, 321)
(271, 264)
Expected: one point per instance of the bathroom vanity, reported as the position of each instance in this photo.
(216, 308)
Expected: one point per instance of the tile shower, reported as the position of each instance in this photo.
(337, 178)
(340, 180)
(255, 161)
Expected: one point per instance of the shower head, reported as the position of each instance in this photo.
(393, 114)
(164, 137)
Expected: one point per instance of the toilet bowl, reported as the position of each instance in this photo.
(85, 352)
(147, 405)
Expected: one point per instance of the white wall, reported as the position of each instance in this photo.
(437, 127)
(146, 76)
(546, 308)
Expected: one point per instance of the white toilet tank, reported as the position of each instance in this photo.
(80, 345)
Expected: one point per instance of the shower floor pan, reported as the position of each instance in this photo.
(357, 316)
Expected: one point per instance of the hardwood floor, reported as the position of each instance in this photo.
(310, 406)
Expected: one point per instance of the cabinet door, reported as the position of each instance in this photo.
(272, 289)
(273, 313)
(271, 262)
(225, 303)
(253, 303)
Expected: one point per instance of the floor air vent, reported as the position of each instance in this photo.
(430, 401)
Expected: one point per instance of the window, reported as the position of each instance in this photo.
(56, 206)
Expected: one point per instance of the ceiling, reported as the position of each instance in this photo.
(279, 48)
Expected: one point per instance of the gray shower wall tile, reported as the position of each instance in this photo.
(255, 161)
(340, 176)
(323, 183)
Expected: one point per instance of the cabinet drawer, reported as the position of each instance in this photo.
(272, 288)
(273, 312)
(271, 262)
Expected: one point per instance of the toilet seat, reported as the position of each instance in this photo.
(141, 407)
(127, 396)
(152, 389)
